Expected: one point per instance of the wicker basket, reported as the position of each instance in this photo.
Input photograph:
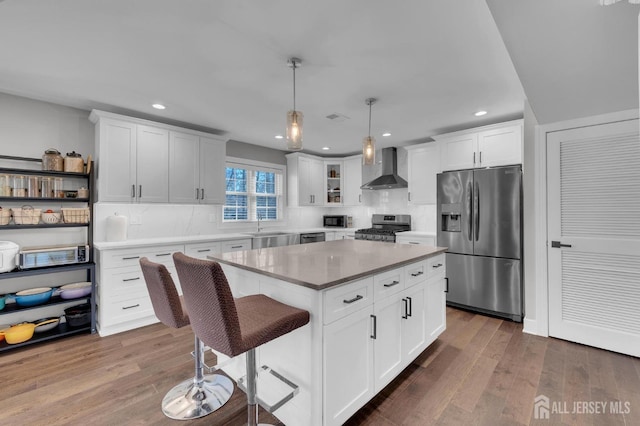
(76, 215)
(5, 216)
(26, 215)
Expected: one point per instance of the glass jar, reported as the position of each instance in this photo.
(18, 188)
(46, 187)
(5, 185)
(52, 160)
(33, 186)
(57, 188)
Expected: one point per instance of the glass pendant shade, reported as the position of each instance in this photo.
(294, 130)
(368, 151)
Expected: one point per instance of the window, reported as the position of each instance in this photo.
(252, 192)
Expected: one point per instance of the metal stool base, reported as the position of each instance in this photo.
(190, 401)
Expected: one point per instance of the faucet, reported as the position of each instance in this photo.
(259, 217)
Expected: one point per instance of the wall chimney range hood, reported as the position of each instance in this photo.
(389, 178)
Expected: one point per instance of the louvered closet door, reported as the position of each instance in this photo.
(594, 209)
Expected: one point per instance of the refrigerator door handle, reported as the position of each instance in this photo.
(476, 210)
(470, 211)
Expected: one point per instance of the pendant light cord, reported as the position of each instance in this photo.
(370, 118)
(294, 85)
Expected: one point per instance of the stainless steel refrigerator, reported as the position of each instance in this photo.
(480, 220)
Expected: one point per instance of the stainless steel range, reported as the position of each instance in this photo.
(384, 227)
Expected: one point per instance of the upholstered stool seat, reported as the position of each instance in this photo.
(233, 326)
(200, 395)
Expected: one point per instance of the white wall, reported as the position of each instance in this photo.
(529, 215)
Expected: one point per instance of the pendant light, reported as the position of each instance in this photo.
(294, 118)
(369, 143)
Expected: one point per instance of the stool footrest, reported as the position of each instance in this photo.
(274, 390)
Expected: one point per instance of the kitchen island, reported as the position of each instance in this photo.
(374, 308)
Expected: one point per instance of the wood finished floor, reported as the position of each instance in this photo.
(482, 370)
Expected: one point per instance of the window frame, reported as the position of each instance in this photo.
(252, 166)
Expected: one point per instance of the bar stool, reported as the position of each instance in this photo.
(233, 326)
(201, 395)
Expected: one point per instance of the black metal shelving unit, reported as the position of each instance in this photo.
(62, 329)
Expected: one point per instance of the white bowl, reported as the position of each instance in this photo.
(51, 217)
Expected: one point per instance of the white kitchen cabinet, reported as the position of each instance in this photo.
(405, 317)
(132, 162)
(146, 162)
(333, 174)
(348, 365)
(412, 237)
(202, 250)
(387, 340)
(423, 168)
(352, 180)
(196, 169)
(152, 165)
(435, 307)
(414, 324)
(235, 245)
(489, 146)
(123, 299)
(305, 179)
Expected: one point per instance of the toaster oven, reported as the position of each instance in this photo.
(52, 256)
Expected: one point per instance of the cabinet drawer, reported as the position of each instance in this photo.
(436, 266)
(343, 300)
(122, 281)
(124, 310)
(388, 283)
(131, 257)
(202, 250)
(415, 273)
(236, 245)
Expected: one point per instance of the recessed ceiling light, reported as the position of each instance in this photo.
(279, 136)
(325, 148)
(480, 113)
(386, 134)
(158, 106)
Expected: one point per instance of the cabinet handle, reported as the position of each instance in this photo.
(133, 191)
(197, 193)
(392, 283)
(139, 191)
(410, 306)
(236, 247)
(202, 193)
(446, 289)
(355, 299)
(130, 258)
(163, 254)
(437, 266)
(406, 308)
(132, 306)
(374, 330)
(480, 157)
(131, 279)
(409, 195)
(474, 158)
(359, 198)
(417, 274)
(203, 250)
(413, 242)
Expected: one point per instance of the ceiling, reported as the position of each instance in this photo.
(222, 65)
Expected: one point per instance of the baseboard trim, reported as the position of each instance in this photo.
(530, 326)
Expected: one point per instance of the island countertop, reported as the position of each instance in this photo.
(322, 265)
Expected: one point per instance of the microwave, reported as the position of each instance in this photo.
(336, 221)
(52, 256)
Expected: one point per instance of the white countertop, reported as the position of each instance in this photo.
(322, 265)
(146, 242)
